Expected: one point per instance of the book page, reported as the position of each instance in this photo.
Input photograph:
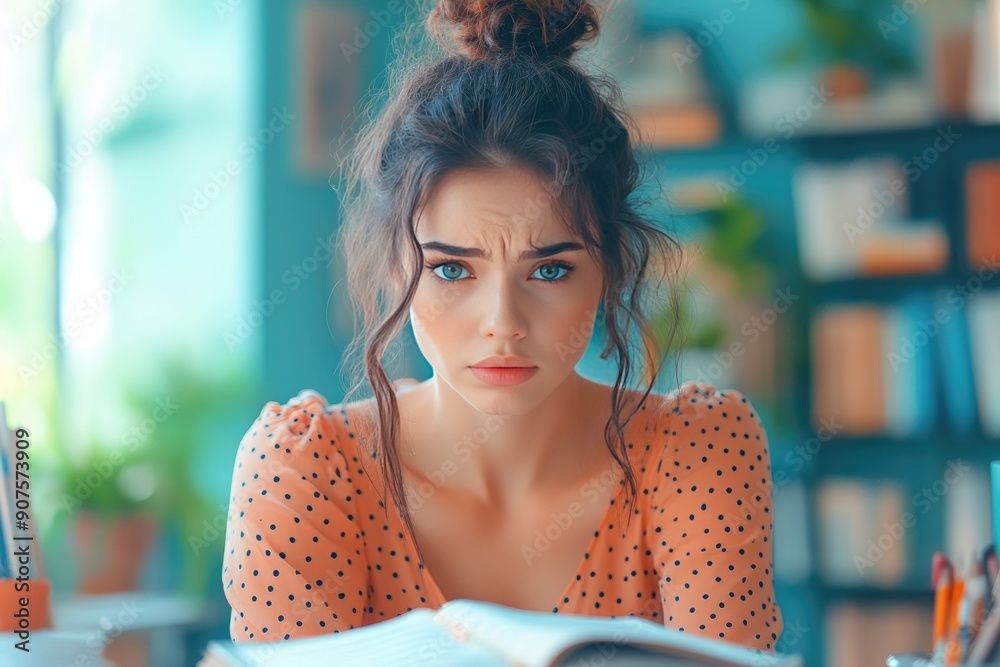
(413, 638)
(538, 639)
(629, 655)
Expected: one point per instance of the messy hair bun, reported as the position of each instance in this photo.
(507, 94)
(489, 28)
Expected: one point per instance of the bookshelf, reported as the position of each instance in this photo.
(917, 461)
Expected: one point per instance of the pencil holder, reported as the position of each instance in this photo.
(27, 604)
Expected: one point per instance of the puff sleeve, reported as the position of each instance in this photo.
(293, 564)
(712, 521)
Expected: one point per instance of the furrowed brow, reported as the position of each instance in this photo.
(534, 253)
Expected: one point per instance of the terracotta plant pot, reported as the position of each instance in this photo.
(951, 67)
(111, 550)
(845, 82)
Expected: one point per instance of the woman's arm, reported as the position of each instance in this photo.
(293, 562)
(713, 521)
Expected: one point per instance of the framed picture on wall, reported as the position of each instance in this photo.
(327, 74)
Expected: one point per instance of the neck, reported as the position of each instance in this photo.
(505, 460)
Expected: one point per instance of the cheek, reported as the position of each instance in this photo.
(435, 315)
(569, 325)
(425, 332)
(433, 303)
(570, 319)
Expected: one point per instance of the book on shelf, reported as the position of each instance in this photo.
(965, 531)
(793, 551)
(984, 87)
(672, 106)
(918, 246)
(982, 198)
(866, 634)
(878, 368)
(474, 633)
(854, 517)
(909, 367)
(678, 125)
(853, 220)
(984, 322)
(955, 361)
(861, 337)
(870, 373)
(907, 371)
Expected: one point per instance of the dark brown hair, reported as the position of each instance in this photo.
(504, 93)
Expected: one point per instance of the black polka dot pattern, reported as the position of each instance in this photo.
(311, 549)
(710, 512)
(294, 562)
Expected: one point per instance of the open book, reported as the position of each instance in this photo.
(484, 634)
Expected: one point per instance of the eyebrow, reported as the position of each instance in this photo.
(534, 253)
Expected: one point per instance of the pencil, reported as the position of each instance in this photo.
(942, 607)
(952, 652)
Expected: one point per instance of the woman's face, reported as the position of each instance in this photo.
(489, 295)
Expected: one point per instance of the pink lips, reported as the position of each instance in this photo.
(499, 376)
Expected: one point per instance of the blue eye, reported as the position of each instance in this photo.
(556, 266)
(452, 267)
(448, 279)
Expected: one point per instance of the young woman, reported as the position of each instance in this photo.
(491, 207)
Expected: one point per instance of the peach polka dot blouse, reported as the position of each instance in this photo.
(309, 548)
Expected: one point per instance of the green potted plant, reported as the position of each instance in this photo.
(730, 278)
(733, 259)
(846, 40)
(736, 244)
(113, 527)
(120, 499)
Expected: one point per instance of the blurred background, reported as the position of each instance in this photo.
(168, 196)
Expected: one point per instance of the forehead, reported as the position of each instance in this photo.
(494, 206)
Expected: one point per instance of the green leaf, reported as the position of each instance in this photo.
(791, 54)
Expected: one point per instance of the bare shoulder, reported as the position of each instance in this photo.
(359, 418)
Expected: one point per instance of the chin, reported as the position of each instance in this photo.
(501, 408)
(509, 401)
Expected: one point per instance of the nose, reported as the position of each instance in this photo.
(503, 317)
